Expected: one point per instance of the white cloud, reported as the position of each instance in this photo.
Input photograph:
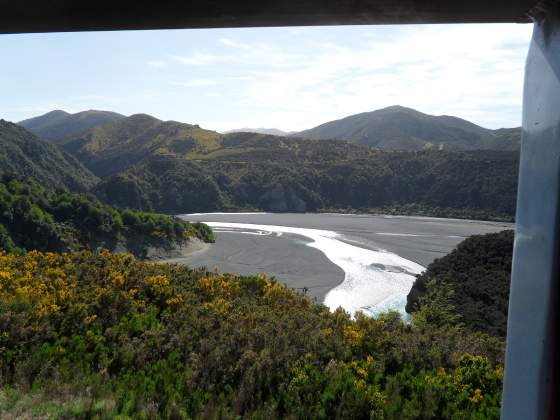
(196, 83)
(157, 64)
(233, 44)
(89, 97)
(290, 78)
(471, 71)
(199, 58)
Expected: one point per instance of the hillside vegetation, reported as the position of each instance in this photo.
(86, 333)
(111, 148)
(261, 172)
(106, 335)
(59, 124)
(24, 154)
(172, 167)
(32, 217)
(472, 282)
(400, 128)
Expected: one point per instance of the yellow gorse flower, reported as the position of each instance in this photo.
(159, 280)
(477, 396)
(36, 278)
(217, 285)
(175, 300)
(118, 279)
(353, 334)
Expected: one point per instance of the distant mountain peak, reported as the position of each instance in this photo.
(397, 108)
(260, 130)
(141, 117)
(58, 124)
(400, 128)
(57, 112)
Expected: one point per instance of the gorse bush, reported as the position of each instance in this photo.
(84, 335)
(32, 217)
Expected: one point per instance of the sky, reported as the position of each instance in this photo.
(286, 78)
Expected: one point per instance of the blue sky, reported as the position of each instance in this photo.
(287, 78)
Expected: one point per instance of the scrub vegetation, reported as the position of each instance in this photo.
(105, 335)
(147, 164)
(266, 173)
(472, 281)
(90, 333)
(32, 217)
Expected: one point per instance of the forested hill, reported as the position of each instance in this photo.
(261, 172)
(114, 147)
(34, 218)
(174, 167)
(400, 128)
(59, 124)
(24, 154)
(472, 282)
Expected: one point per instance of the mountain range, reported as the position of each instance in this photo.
(149, 164)
(400, 128)
(60, 124)
(395, 128)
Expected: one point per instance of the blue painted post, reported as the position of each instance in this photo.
(532, 322)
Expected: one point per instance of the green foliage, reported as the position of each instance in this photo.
(32, 217)
(6, 242)
(261, 172)
(437, 307)
(471, 284)
(172, 167)
(168, 185)
(472, 390)
(25, 155)
(85, 335)
(111, 148)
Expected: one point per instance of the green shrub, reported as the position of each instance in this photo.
(108, 335)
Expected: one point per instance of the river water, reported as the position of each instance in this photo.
(359, 262)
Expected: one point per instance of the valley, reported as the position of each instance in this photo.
(172, 167)
(143, 163)
(297, 278)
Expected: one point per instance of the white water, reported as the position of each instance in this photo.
(374, 281)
